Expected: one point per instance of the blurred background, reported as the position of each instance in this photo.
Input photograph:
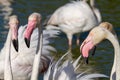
(110, 9)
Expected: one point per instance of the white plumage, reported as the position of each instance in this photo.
(74, 17)
(67, 71)
(22, 60)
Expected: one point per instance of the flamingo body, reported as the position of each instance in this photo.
(22, 60)
(74, 17)
(67, 71)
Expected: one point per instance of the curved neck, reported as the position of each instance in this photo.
(92, 3)
(115, 73)
(8, 71)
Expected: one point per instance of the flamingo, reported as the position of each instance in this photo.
(22, 61)
(96, 35)
(35, 19)
(12, 36)
(74, 17)
(67, 71)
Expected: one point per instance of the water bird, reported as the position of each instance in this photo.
(74, 17)
(11, 38)
(98, 34)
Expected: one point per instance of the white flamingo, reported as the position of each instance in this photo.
(32, 20)
(74, 17)
(96, 35)
(22, 61)
(12, 36)
(67, 71)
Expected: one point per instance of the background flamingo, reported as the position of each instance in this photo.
(74, 17)
(96, 35)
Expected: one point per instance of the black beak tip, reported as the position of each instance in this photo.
(16, 49)
(27, 41)
(15, 44)
(93, 52)
(86, 60)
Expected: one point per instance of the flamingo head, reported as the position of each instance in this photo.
(95, 36)
(13, 24)
(33, 22)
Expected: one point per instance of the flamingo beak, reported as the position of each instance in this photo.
(13, 24)
(28, 32)
(86, 60)
(15, 36)
(85, 48)
(15, 44)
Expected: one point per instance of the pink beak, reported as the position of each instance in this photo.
(15, 36)
(28, 32)
(85, 48)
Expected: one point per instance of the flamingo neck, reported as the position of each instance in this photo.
(115, 72)
(39, 38)
(95, 11)
(37, 60)
(92, 3)
(7, 70)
